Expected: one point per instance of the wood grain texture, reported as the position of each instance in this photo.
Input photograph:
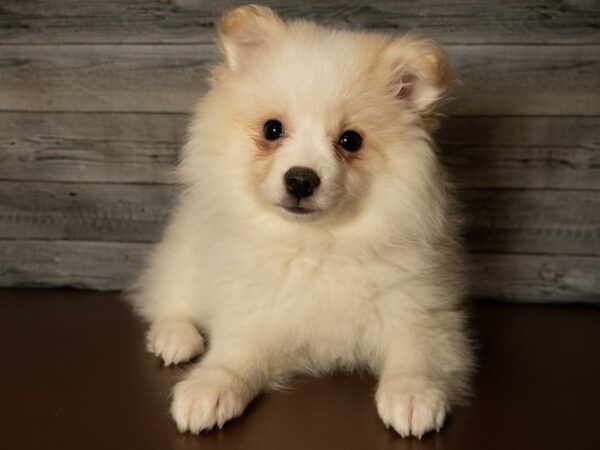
(481, 152)
(515, 221)
(186, 21)
(88, 265)
(533, 221)
(522, 152)
(72, 211)
(103, 77)
(91, 147)
(494, 80)
(535, 278)
(114, 265)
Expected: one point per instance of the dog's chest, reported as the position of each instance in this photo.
(314, 276)
(317, 295)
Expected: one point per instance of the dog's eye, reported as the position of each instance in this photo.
(350, 141)
(273, 130)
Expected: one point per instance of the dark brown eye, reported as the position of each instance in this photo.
(350, 141)
(273, 130)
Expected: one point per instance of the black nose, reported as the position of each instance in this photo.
(301, 181)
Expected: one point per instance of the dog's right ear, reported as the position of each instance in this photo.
(246, 31)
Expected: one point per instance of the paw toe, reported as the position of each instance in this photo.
(174, 341)
(207, 399)
(412, 410)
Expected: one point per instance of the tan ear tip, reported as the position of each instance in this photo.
(440, 68)
(434, 62)
(232, 19)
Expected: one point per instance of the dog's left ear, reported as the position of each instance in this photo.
(419, 71)
(246, 31)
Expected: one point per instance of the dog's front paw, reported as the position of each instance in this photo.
(209, 397)
(412, 408)
(174, 341)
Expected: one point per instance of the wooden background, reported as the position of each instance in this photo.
(95, 95)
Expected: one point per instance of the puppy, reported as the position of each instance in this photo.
(315, 229)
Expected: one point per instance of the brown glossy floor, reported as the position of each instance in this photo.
(75, 376)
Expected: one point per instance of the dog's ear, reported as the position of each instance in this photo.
(419, 71)
(246, 31)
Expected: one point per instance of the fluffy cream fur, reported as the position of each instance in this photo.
(371, 278)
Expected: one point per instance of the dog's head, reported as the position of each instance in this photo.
(313, 123)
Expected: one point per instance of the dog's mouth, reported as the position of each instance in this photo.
(298, 209)
(301, 211)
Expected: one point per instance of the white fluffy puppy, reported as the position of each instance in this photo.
(315, 230)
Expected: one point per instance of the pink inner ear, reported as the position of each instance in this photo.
(245, 47)
(407, 86)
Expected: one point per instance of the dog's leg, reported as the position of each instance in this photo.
(173, 306)
(424, 372)
(221, 386)
(170, 294)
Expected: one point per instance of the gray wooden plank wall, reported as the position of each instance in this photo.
(94, 100)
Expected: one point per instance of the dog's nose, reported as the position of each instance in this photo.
(301, 181)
